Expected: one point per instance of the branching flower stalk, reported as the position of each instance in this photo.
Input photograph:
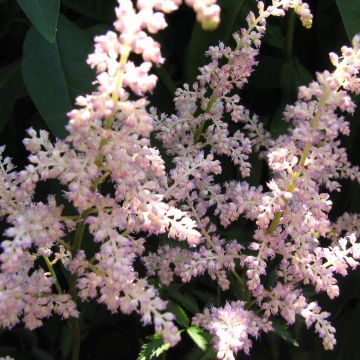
(109, 144)
(307, 157)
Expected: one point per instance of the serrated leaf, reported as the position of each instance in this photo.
(282, 329)
(11, 88)
(187, 301)
(180, 314)
(102, 10)
(54, 74)
(350, 14)
(154, 348)
(43, 14)
(198, 336)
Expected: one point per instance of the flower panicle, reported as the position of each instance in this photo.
(108, 146)
(108, 142)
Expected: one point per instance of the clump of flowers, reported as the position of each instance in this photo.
(109, 146)
(108, 142)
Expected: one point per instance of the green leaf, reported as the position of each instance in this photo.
(41, 354)
(187, 301)
(66, 340)
(282, 329)
(206, 297)
(350, 14)
(274, 37)
(54, 74)
(180, 314)
(154, 348)
(11, 88)
(43, 14)
(197, 354)
(293, 75)
(166, 78)
(201, 40)
(198, 336)
(102, 10)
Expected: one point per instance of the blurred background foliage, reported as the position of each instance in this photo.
(44, 45)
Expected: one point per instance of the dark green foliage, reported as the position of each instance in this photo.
(11, 89)
(197, 335)
(55, 73)
(350, 14)
(43, 14)
(154, 348)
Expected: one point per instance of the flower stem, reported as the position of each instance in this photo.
(53, 274)
(209, 106)
(290, 34)
(243, 287)
(314, 124)
(75, 325)
(76, 338)
(119, 83)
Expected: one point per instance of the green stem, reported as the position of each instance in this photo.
(100, 180)
(76, 334)
(53, 274)
(76, 338)
(290, 34)
(209, 106)
(275, 222)
(239, 279)
(64, 244)
(119, 83)
(243, 286)
(314, 124)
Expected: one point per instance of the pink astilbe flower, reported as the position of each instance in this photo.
(346, 223)
(303, 160)
(30, 297)
(122, 193)
(170, 261)
(231, 327)
(108, 142)
(313, 315)
(292, 214)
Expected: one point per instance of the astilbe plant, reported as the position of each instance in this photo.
(109, 144)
